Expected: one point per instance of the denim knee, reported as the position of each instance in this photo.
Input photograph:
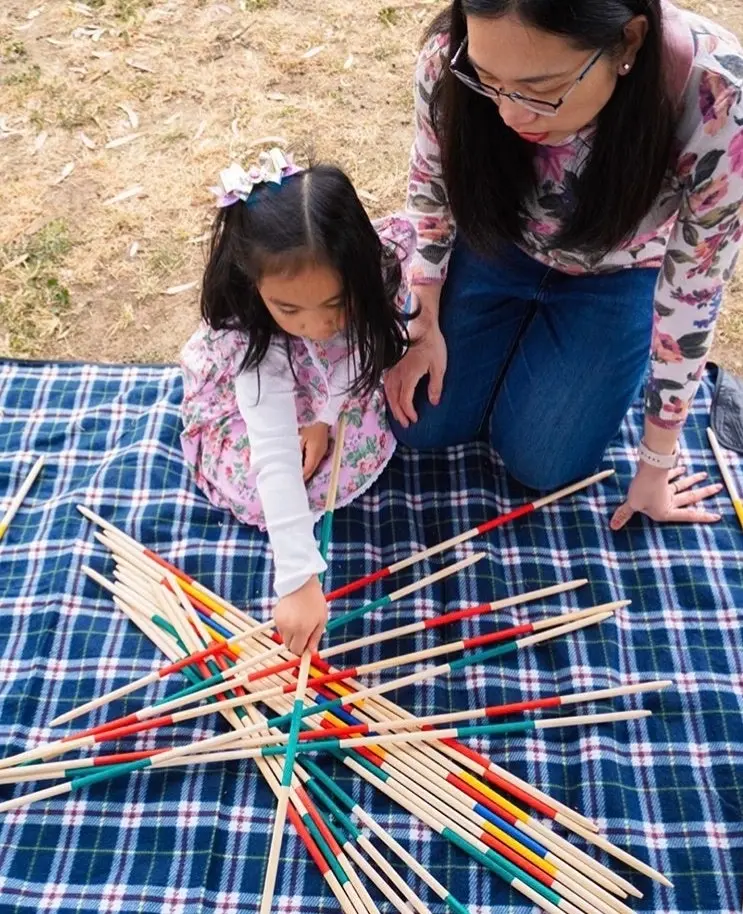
(547, 470)
(426, 434)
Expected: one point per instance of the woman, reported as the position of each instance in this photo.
(577, 187)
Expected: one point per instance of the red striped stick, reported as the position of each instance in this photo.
(156, 710)
(480, 530)
(505, 634)
(457, 615)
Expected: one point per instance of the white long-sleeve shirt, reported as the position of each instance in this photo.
(267, 402)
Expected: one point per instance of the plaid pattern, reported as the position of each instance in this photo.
(670, 788)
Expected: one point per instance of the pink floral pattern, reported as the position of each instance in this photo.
(216, 443)
(693, 233)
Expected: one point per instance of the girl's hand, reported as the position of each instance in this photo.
(427, 356)
(314, 439)
(666, 495)
(301, 616)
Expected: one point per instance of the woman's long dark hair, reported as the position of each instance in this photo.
(312, 217)
(489, 170)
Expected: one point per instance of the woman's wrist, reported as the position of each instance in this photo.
(660, 440)
(426, 301)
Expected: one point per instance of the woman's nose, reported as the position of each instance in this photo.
(514, 115)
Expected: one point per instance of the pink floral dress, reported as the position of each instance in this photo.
(215, 440)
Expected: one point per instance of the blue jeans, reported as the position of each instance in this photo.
(544, 364)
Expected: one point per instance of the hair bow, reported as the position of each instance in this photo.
(237, 184)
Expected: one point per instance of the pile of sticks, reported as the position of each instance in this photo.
(236, 664)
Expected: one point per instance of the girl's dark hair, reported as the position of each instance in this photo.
(489, 170)
(313, 217)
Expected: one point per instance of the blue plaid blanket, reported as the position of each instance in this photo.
(668, 788)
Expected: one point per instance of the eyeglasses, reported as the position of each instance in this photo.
(536, 105)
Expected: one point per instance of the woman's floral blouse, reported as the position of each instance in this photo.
(693, 232)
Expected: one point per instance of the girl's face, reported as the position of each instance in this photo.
(308, 303)
(508, 55)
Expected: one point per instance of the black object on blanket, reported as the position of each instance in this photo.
(727, 408)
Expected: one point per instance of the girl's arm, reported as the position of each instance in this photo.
(267, 403)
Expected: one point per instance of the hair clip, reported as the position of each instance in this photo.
(237, 184)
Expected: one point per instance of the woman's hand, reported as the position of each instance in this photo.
(314, 440)
(301, 616)
(426, 356)
(666, 495)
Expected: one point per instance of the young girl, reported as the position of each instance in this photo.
(302, 308)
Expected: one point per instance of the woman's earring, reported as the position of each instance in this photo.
(626, 67)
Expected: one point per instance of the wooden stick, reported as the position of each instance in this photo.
(344, 899)
(519, 707)
(345, 618)
(241, 701)
(254, 697)
(17, 499)
(469, 534)
(148, 679)
(333, 483)
(450, 647)
(440, 763)
(727, 475)
(413, 865)
(423, 749)
(240, 668)
(414, 627)
(399, 766)
(588, 860)
(298, 818)
(269, 881)
(454, 616)
(189, 584)
(554, 805)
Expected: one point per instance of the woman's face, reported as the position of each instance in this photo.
(509, 55)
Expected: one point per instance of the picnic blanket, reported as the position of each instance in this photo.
(668, 788)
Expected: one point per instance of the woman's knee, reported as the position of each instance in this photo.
(546, 467)
(427, 433)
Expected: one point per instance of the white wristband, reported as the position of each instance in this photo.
(654, 459)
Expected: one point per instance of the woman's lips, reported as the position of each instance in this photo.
(533, 137)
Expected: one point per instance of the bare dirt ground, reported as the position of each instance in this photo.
(117, 115)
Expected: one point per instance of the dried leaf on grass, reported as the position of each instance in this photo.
(176, 290)
(39, 142)
(130, 113)
(138, 65)
(123, 140)
(127, 194)
(66, 172)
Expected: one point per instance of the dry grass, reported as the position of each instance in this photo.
(196, 84)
